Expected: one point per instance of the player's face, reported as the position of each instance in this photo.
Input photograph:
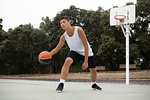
(64, 24)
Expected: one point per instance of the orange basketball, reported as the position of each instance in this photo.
(44, 57)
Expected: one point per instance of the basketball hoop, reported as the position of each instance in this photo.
(123, 17)
(120, 18)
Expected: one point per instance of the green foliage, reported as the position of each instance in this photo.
(20, 47)
(142, 30)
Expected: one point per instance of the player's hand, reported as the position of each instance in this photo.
(85, 65)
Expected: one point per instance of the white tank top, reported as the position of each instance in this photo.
(75, 43)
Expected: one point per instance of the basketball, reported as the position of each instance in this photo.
(44, 57)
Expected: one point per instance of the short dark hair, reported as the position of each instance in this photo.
(64, 17)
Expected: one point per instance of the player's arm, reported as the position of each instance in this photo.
(85, 43)
(59, 45)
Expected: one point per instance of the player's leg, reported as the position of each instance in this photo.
(93, 75)
(65, 68)
(64, 73)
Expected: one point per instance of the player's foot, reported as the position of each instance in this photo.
(60, 87)
(96, 87)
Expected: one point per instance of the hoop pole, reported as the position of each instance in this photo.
(127, 53)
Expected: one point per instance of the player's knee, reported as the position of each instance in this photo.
(68, 62)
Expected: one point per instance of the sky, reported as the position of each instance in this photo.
(17, 12)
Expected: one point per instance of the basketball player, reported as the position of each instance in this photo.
(80, 50)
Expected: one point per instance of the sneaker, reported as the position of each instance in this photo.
(60, 87)
(96, 87)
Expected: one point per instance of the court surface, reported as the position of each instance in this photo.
(12, 89)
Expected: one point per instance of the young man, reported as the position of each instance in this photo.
(79, 50)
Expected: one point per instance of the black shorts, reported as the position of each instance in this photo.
(77, 58)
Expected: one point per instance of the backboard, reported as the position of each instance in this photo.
(127, 11)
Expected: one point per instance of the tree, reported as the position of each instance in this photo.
(20, 47)
(20, 51)
(46, 25)
(3, 41)
(141, 30)
(96, 29)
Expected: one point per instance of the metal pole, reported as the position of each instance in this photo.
(127, 54)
